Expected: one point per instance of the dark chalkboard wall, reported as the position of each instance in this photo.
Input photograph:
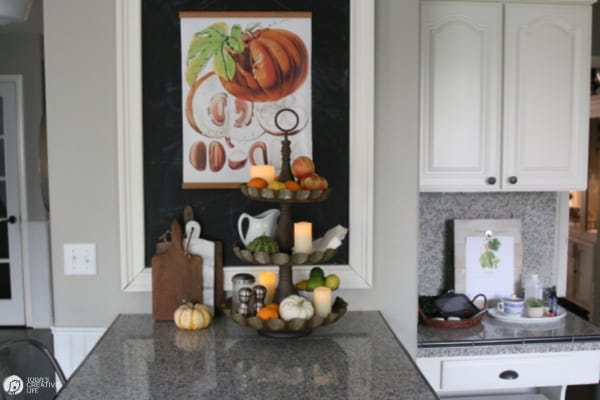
(218, 210)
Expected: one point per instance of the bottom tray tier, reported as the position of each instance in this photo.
(287, 329)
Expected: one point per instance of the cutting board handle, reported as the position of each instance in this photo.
(176, 237)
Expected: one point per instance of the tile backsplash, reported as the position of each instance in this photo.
(536, 210)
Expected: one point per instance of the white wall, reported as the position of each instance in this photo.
(80, 96)
(80, 74)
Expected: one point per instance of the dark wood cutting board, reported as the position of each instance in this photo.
(175, 276)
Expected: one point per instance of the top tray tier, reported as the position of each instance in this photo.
(285, 195)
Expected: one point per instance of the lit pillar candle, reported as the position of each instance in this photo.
(267, 172)
(322, 301)
(302, 237)
(267, 279)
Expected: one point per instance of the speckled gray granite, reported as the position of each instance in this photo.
(357, 357)
(493, 336)
(536, 210)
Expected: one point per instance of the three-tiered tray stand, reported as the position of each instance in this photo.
(285, 259)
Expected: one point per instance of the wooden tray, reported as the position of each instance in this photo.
(456, 324)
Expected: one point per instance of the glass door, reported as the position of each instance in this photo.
(12, 304)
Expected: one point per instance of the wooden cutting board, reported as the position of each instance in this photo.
(175, 276)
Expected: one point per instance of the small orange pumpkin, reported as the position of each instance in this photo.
(192, 316)
(267, 313)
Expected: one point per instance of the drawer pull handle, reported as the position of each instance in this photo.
(509, 375)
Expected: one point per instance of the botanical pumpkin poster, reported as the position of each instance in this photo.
(238, 69)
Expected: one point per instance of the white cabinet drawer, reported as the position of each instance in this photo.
(551, 369)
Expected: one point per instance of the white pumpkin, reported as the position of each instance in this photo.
(192, 316)
(295, 306)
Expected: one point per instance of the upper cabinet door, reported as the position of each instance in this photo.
(546, 96)
(461, 60)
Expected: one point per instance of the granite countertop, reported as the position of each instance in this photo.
(356, 357)
(493, 336)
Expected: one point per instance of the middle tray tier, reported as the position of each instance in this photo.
(261, 258)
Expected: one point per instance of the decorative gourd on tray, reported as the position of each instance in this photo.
(270, 311)
(192, 316)
(295, 306)
(264, 244)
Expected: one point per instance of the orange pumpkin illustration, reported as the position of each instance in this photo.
(255, 65)
(274, 64)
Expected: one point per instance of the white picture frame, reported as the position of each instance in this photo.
(496, 228)
(135, 276)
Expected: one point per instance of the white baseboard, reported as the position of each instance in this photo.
(72, 345)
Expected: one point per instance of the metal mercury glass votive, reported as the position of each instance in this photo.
(239, 281)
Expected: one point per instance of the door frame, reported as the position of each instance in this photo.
(22, 188)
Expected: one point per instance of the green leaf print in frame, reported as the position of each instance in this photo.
(493, 249)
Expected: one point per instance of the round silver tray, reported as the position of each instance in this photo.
(261, 258)
(285, 195)
(285, 329)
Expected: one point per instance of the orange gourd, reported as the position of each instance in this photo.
(267, 313)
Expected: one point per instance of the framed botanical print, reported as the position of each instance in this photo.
(239, 69)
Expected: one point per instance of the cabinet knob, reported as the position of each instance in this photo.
(491, 180)
(509, 375)
(512, 180)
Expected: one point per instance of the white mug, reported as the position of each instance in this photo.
(263, 224)
(513, 306)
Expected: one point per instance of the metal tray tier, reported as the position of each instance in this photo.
(261, 258)
(284, 195)
(287, 329)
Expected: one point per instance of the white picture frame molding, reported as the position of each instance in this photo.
(134, 274)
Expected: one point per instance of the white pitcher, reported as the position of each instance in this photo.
(262, 224)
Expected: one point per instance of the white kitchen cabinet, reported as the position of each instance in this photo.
(548, 373)
(504, 96)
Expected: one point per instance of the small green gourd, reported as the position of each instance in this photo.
(264, 244)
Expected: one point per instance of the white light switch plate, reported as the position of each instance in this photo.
(80, 258)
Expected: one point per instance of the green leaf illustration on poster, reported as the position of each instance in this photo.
(489, 259)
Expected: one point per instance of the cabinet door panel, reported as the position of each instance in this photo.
(583, 275)
(546, 99)
(460, 94)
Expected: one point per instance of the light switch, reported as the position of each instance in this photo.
(80, 258)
